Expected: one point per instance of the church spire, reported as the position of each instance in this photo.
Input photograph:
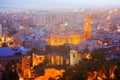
(87, 27)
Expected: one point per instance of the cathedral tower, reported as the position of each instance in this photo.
(87, 27)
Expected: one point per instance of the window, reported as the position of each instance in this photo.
(73, 55)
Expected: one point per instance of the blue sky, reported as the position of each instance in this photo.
(59, 3)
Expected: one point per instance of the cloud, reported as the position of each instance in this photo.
(60, 3)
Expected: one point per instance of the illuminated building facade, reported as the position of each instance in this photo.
(75, 57)
(7, 40)
(26, 66)
(60, 39)
(28, 62)
(37, 59)
(55, 59)
(72, 38)
(51, 73)
(87, 27)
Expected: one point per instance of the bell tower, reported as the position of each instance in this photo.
(87, 27)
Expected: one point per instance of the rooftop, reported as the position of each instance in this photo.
(10, 51)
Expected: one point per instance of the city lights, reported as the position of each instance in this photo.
(59, 40)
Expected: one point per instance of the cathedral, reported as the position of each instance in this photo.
(72, 38)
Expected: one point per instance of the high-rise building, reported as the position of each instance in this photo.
(0, 30)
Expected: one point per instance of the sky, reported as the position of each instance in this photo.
(60, 3)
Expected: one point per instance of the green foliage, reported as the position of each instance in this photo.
(98, 54)
(78, 76)
(39, 69)
(9, 73)
(96, 63)
(4, 45)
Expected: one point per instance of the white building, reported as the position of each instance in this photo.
(75, 57)
(0, 30)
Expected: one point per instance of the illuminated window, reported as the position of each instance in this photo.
(105, 44)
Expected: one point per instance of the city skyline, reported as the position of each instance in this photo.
(60, 3)
(59, 43)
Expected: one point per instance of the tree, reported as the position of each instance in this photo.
(10, 73)
(4, 44)
(78, 76)
(39, 69)
(117, 73)
(33, 50)
(98, 58)
(48, 49)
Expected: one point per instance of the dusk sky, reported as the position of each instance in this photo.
(59, 3)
